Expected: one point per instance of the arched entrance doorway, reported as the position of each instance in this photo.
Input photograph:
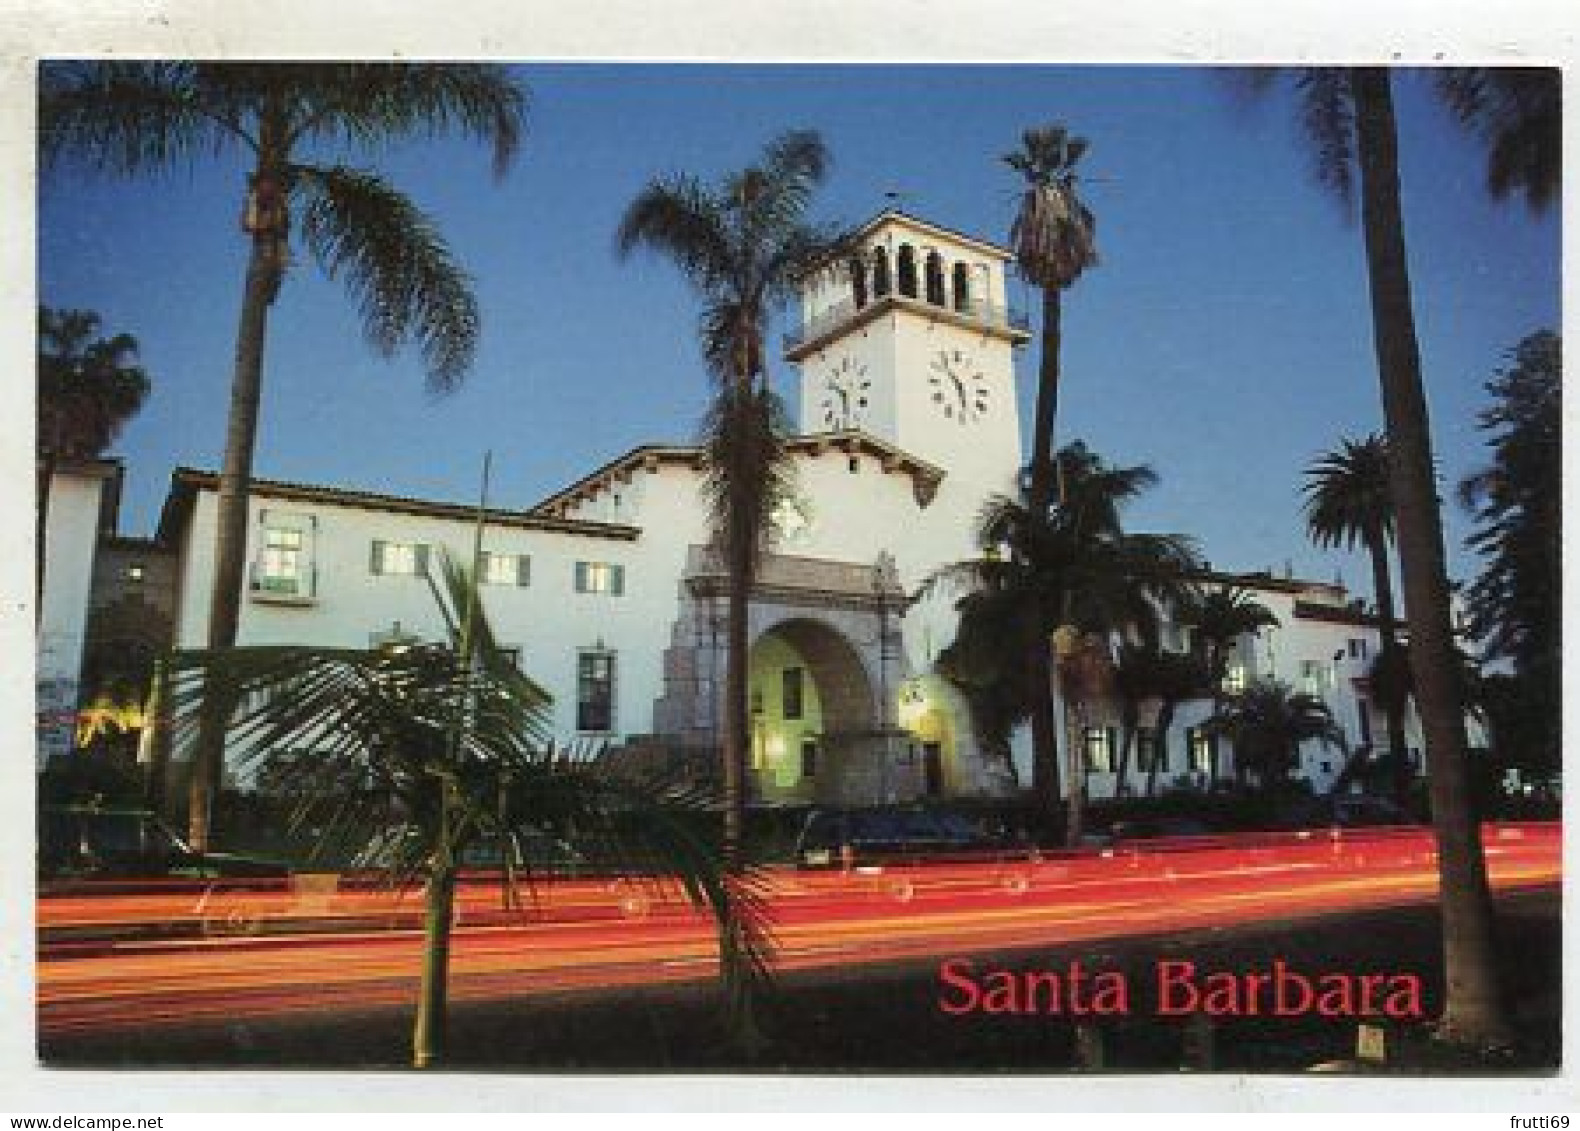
(814, 716)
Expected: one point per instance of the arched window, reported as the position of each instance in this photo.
(880, 272)
(962, 287)
(907, 270)
(858, 280)
(935, 279)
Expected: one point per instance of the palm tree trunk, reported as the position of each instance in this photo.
(428, 1033)
(1382, 586)
(1042, 443)
(736, 676)
(1474, 1009)
(1160, 744)
(1122, 778)
(741, 556)
(1044, 740)
(241, 431)
(1075, 793)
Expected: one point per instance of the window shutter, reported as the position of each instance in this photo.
(617, 581)
(376, 558)
(581, 577)
(420, 559)
(523, 569)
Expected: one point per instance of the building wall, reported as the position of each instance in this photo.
(353, 607)
(1339, 655)
(71, 536)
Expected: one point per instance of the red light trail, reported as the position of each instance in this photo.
(116, 954)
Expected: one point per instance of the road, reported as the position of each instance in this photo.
(141, 955)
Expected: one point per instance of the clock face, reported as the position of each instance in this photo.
(957, 386)
(847, 391)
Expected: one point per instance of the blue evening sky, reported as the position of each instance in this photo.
(1225, 339)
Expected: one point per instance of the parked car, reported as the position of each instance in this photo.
(1156, 828)
(1346, 811)
(539, 851)
(835, 837)
(93, 842)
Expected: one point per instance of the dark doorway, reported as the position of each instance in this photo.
(933, 769)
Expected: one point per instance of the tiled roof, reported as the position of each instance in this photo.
(926, 476)
(185, 482)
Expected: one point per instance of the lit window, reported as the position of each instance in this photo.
(506, 569)
(595, 691)
(398, 559)
(1097, 749)
(1234, 679)
(1202, 748)
(134, 573)
(1316, 677)
(283, 567)
(600, 577)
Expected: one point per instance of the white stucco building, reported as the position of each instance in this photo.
(908, 421)
(81, 507)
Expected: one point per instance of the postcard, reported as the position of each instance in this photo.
(548, 566)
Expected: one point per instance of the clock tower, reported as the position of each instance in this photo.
(912, 342)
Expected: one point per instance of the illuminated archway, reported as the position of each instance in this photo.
(811, 699)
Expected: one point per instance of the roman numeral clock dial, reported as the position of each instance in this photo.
(959, 391)
(846, 392)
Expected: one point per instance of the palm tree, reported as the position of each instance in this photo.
(744, 245)
(985, 664)
(1219, 617)
(88, 388)
(433, 750)
(1180, 677)
(1514, 606)
(133, 118)
(1267, 722)
(1349, 114)
(1136, 679)
(1347, 504)
(1086, 577)
(1054, 239)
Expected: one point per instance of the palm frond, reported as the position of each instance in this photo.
(129, 118)
(407, 285)
(368, 104)
(1348, 501)
(1327, 111)
(1053, 235)
(679, 218)
(1518, 112)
